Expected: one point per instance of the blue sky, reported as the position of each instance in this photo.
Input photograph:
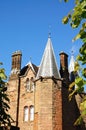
(25, 24)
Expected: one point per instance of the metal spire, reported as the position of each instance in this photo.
(48, 66)
(72, 62)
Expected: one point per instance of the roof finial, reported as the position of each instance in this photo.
(49, 34)
(30, 59)
(73, 50)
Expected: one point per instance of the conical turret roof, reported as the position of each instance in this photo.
(48, 66)
(71, 64)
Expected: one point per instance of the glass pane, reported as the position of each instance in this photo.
(26, 114)
(31, 113)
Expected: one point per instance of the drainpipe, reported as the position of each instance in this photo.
(18, 99)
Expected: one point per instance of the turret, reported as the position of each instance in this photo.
(48, 91)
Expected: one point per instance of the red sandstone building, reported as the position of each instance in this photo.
(39, 95)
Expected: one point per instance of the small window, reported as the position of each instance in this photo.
(29, 85)
(31, 113)
(33, 87)
(26, 112)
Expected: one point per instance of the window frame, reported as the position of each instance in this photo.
(29, 85)
(31, 112)
(26, 114)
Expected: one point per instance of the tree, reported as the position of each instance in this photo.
(5, 118)
(77, 19)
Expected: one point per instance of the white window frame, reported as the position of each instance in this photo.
(26, 113)
(31, 113)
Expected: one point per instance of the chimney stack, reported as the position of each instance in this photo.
(64, 66)
(16, 61)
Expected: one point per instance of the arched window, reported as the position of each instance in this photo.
(31, 113)
(27, 84)
(33, 87)
(26, 112)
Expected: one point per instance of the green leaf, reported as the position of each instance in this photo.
(83, 35)
(77, 37)
(65, 20)
(6, 106)
(83, 113)
(76, 65)
(78, 20)
(2, 74)
(73, 25)
(79, 81)
(78, 121)
(83, 107)
(66, 0)
(5, 97)
(76, 2)
(71, 86)
(82, 50)
(84, 40)
(80, 84)
(84, 72)
(71, 94)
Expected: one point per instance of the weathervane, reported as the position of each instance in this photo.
(72, 50)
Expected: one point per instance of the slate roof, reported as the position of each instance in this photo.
(25, 68)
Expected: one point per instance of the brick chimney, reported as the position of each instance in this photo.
(64, 66)
(16, 61)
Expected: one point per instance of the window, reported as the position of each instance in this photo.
(26, 112)
(33, 87)
(29, 85)
(31, 113)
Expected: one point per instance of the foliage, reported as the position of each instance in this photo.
(5, 118)
(77, 19)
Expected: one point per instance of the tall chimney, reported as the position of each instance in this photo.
(64, 66)
(16, 61)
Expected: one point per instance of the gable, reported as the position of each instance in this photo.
(29, 69)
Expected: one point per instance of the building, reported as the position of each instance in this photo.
(39, 95)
